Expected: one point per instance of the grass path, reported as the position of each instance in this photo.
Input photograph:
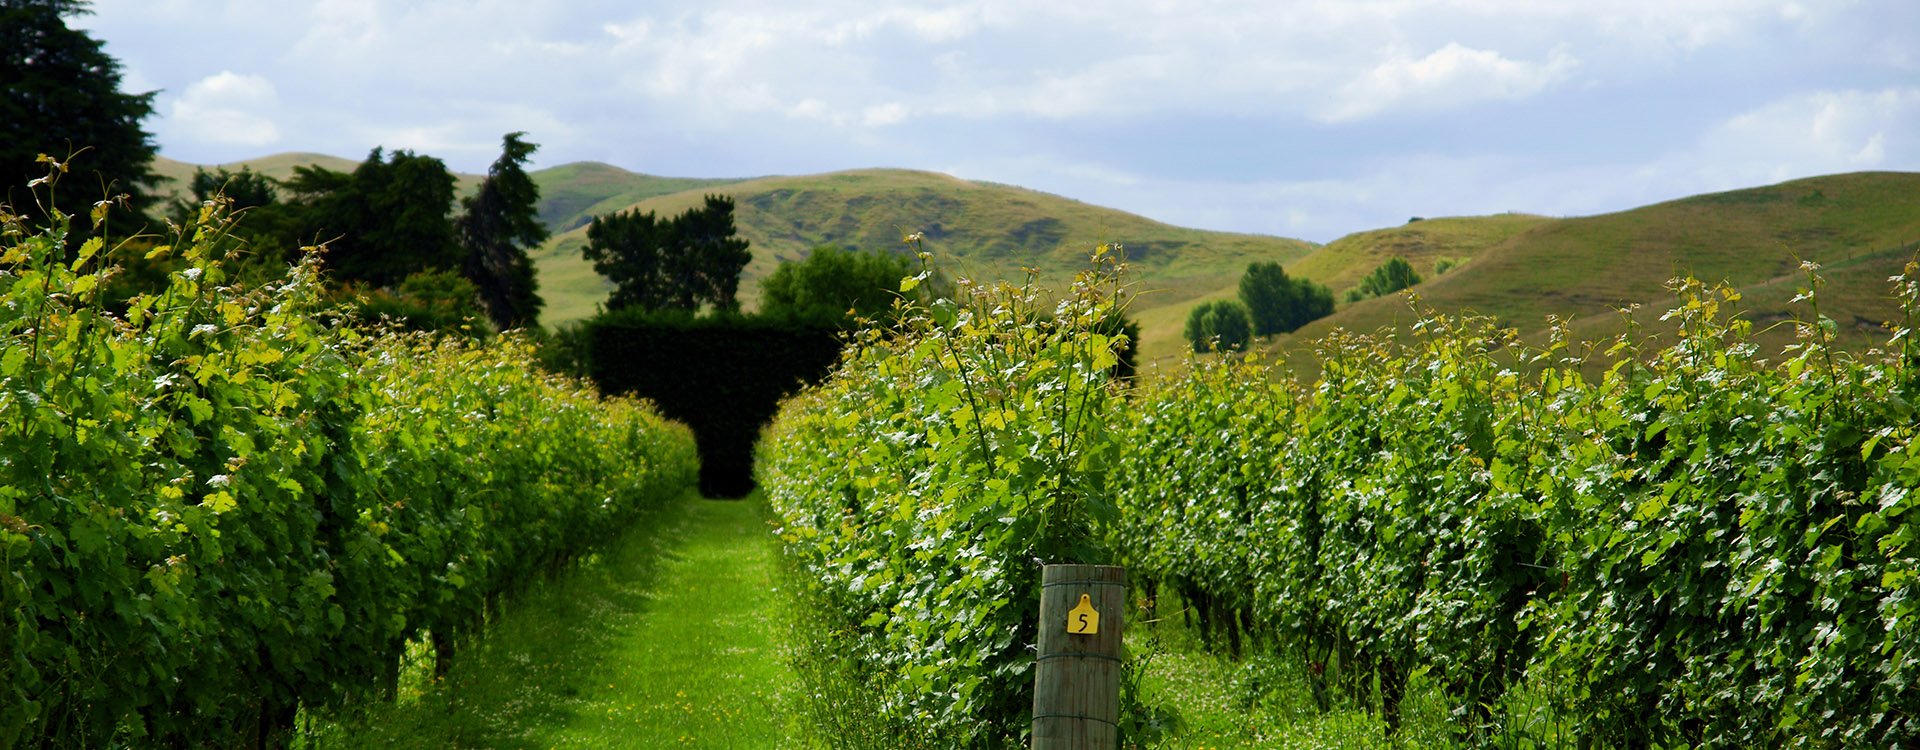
(669, 638)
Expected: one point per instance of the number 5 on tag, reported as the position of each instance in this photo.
(1083, 619)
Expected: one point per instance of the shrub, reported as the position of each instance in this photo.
(1222, 325)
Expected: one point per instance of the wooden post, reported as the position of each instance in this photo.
(1076, 681)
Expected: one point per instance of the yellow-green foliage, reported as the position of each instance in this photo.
(922, 484)
(223, 504)
(1694, 548)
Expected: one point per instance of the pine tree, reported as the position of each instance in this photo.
(498, 224)
(62, 98)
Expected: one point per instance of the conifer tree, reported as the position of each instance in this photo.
(61, 97)
(497, 226)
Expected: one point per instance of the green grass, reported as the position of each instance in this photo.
(1201, 699)
(1207, 700)
(669, 638)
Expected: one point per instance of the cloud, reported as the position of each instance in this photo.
(228, 109)
(1303, 117)
(1807, 134)
(883, 115)
(1452, 76)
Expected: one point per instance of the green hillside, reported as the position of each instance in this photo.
(1341, 264)
(983, 230)
(1424, 243)
(175, 174)
(1860, 226)
(1517, 268)
(572, 194)
(976, 229)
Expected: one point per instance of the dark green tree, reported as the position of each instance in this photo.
(262, 220)
(60, 96)
(681, 263)
(1221, 325)
(497, 225)
(835, 285)
(1392, 276)
(386, 221)
(1279, 304)
(710, 257)
(244, 190)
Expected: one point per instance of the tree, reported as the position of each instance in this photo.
(245, 189)
(1278, 304)
(710, 259)
(386, 221)
(1222, 325)
(497, 224)
(836, 285)
(262, 220)
(61, 97)
(1392, 276)
(681, 263)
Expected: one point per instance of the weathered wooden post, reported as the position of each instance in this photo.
(1076, 682)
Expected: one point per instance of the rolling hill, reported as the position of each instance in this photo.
(982, 230)
(1516, 268)
(572, 194)
(1861, 227)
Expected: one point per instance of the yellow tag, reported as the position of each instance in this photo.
(1083, 619)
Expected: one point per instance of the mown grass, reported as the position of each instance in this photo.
(669, 638)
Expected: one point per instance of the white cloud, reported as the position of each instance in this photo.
(1452, 76)
(228, 108)
(1657, 98)
(883, 115)
(1808, 134)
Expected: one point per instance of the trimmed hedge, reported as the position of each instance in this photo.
(723, 376)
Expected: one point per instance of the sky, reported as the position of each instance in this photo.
(1300, 118)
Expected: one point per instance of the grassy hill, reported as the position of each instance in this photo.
(1860, 226)
(977, 229)
(175, 174)
(1424, 243)
(1341, 264)
(572, 194)
(1517, 268)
